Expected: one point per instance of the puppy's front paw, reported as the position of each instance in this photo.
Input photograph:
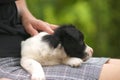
(37, 76)
(74, 62)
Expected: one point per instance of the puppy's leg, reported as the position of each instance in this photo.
(34, 68)
(74, 62)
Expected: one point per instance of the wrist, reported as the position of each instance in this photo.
(23, 10)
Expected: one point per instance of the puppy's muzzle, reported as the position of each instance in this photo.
(88, 52)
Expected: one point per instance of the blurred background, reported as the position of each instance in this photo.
(99, 20)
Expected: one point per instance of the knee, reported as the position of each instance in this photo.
(109, 72)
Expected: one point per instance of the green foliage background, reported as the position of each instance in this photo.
(99, 20)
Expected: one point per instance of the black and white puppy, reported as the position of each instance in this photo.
(65, 46)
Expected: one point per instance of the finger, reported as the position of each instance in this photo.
(31, 30)
(48, 30)
(45, 27)
(53, 26)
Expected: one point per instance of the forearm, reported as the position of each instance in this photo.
(22, 9)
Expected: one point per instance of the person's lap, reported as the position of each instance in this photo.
(109, 71)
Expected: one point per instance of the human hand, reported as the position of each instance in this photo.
(33, 26)
(30, 23)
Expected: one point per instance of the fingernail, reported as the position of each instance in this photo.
(52, 31)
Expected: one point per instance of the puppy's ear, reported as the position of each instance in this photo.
(51, 40)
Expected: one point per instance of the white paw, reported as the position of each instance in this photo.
(37, 76)
(74, 62)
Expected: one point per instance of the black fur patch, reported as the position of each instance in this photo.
(52, 40)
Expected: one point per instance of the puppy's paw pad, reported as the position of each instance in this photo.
(75, 62)
(38, 77)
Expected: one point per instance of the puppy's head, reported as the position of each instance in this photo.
(72, 40)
